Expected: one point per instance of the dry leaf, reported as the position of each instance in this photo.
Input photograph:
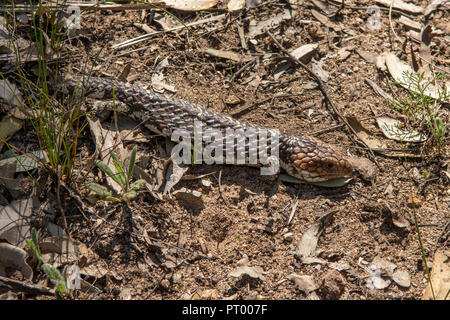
(401, 5)
(174, 175)
(256, 29)
(402, 278)
(190, 5)
(325, 21)
(365, 134)
(410, 23)
(105, 141)
(440, 277)
(229, 55)
(378, 90)
(398, 69)
(365, 167)
(159, 83)
(8, 127)
(392, 129)
(308, 243)
(243, 268)
(190, 198)
(235, 5)
(14, 257)
(10, 93)
(441, 4)
(14, 221)
(303, 282)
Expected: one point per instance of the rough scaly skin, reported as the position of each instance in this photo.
(303, 157)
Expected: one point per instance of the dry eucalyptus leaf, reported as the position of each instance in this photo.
(190, 198)
(243, 268)
(26, 162)
(402, 278)
(14, 221)
(392, 129)
(326, 21)
(9, 126)
(308, 243)
(10, 93)
(235, 5)
(365, 134)
(174, 175)
(14, 257)
(190, 5)
(105, 141)
(253, 272)
(378, 90)
(401, 5)
(228, 55)
(304, 283)
(316, 67)
(436, 4)
(159, 83)
(370, 57)
(258, 28)
(398, 69)
(440, 277)
(63, 250)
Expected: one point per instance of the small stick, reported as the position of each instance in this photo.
(245, 66)
(219, 180)
(323, 90)
(17, 285)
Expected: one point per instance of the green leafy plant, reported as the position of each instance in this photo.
(423, 109)
(54, 275)
(57, 125)
(121, 176)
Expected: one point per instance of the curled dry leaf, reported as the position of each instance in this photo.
(14, 257)
(365, 134)
(253, 272)
(228, 55)
(325, 21)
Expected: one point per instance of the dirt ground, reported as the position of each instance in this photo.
(185, 252)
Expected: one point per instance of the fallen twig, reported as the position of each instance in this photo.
(17, 285)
